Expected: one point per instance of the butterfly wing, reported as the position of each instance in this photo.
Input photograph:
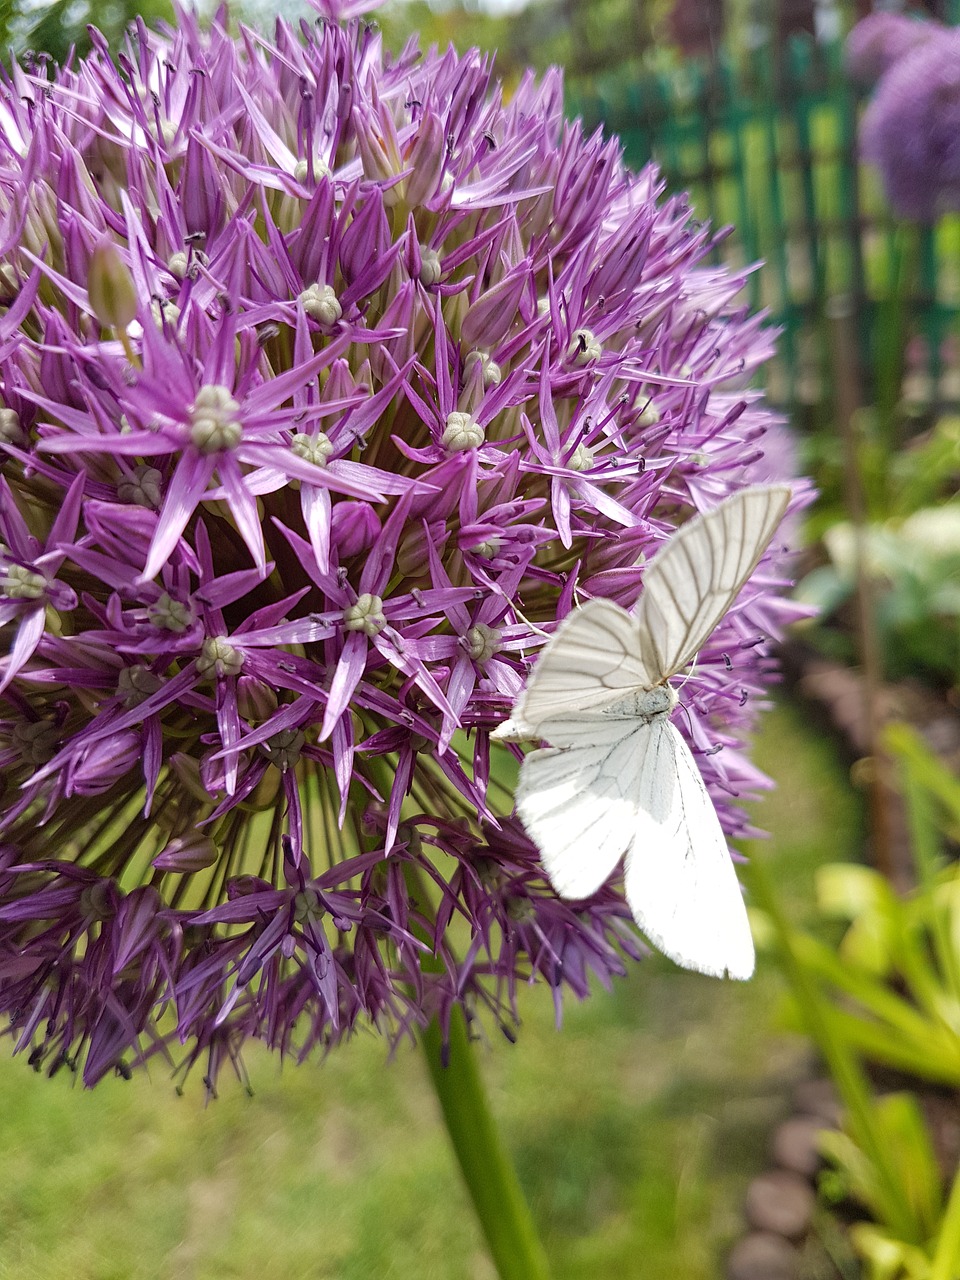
(577, 799)
(695, 578)
(680, 882)
(591, 661)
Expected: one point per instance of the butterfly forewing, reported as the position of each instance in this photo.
(591, 661)
(680, 881)
(695, 579)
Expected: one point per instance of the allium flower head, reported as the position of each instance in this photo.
(330, 382)
(879, 40)
(911, 129)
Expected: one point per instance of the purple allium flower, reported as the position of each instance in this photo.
(329, 383)
(911, 129)
(879, 40)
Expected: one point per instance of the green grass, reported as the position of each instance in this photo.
(634, 1130)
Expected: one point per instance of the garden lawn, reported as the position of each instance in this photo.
(634, 1130)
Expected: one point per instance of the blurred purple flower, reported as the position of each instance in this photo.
(911, 129)
(879, 40)
(328, 381)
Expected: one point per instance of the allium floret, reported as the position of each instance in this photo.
(329, 383)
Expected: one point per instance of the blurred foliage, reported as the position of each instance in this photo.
(910, 552)
(584, 39)
(887, 994)
(56, 29)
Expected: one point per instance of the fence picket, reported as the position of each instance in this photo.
(768, 142)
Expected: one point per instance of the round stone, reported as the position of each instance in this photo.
(795, 1145)
(780, 1202)
(760, 1256)
(818, 1098)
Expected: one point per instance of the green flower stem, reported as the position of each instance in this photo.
(490, 1178)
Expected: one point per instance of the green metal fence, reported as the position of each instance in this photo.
(768, 144)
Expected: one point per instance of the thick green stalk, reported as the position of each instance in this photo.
(499, 1203)
(490, 1178)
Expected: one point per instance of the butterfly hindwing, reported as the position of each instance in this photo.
(680, 882)
(577, 798)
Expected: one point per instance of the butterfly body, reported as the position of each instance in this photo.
(618, 779)
(645, 704)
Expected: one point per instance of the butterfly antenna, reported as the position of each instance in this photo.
(693, 667)
(532, 625)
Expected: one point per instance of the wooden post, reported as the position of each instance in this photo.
(841, 319)
(696, 26)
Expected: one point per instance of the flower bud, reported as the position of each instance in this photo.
(430, 267)
(186, 854)
(110, 287)
(188, 772)
(489, 319)
(354, 527)
(200, 191)
(376, 137)
(11, 432)
(426, 158)
(213, 777)
(102, 763)
(142, 488)
(256, 701)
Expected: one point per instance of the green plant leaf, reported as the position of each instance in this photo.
(824, 589)
(888, 1258)
(864, 897)
(905, 1130)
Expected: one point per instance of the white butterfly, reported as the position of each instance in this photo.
(618, 777)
